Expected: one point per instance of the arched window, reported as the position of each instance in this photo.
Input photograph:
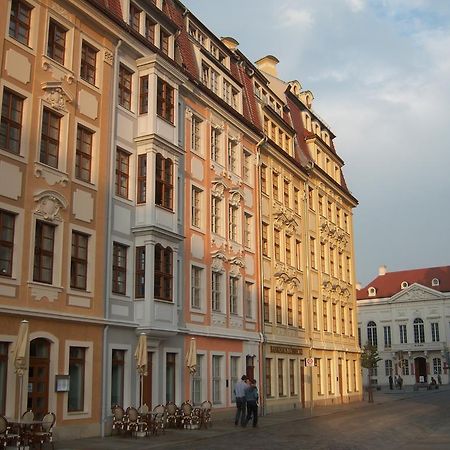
(435, 282)
(372, 292)
(419, 334)
(372, 333)
(404, 284)
(163, 273)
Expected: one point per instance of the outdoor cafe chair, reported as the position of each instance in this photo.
(159, 413)
(7, 437)
(28, 416)
(133, 422)
(187, 414)
(118, 418)
(206, 408)
(172, 415)
(143, 409)
(45, 433)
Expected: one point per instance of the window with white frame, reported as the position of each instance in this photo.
(217, 379)
(20, 21)
(196, 126)
(216, 290)
(117, 376)
(233, 292)
(419, 332)
(77, 365)
(248, 299)
(388, 367)
(196, 206)
(233, 222)
(11, 121)
(247, 167)
(215, 144)
(387, 336)
(403, 334)
(248, 230)
(281, 391)
(197, 397)
(435, 331)
(196, 286)
(372, 333)
(232, 155)
(44, 252)
(216, 215)
(437, 367)
(7, 225)
(405, 367)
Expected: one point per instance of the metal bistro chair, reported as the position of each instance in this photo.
(7, 437)
(118, 419)
(188, 415)
(133, 423)
(45, 434)
(172, 415)
(159, 418)
(206, 408)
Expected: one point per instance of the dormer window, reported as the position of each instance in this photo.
(197, 35)
(404, 284)
(135, 17)
(372, 292)
(435, 282)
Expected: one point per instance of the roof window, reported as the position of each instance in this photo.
(372, 292)
(404, 284)
(435, 282)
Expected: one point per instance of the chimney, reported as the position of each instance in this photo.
(230, 42)
(268, 64)
(382, 270)
(358, 286)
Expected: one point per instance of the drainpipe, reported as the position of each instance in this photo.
(109, 205)
(262, 366)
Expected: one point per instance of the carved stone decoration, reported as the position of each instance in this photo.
(188, 113)
(108, 57)
(237, 261)
(49, 204)
(56, 95)
(218, 259)
(51, 176)
(218, 189)
(235, 271)
(236, 196)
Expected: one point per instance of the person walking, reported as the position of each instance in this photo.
(239, 392)
(252, 397)
(391, 383)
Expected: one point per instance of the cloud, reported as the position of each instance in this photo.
(355, 5)
(293, 17)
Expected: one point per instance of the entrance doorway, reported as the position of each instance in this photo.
(38, 377)
(420, 369)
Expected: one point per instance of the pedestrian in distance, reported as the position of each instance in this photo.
(239, 393)
(391, 383)
(400, 382)
(439, 378)
(396, 382)
(252, 397)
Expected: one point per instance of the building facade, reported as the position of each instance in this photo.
(156, 181)
(405, 314)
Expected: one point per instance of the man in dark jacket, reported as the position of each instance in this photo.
(252, 397)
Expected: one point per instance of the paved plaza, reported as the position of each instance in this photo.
(396, 420)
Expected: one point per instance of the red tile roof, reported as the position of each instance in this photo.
(389, 284)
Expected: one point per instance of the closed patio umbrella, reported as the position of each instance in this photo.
(20, 356)
(191, 356)
(141, 361)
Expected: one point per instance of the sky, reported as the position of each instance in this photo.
(380, 74)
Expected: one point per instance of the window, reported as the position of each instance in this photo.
(195, 134)
(135, 16)
(216, 217)
(234, 367)
(76, 374)
(268, 377)
(196, 206)
(11, 122)
(216, 289)
(300, 312)
(150, 25)
(276, 245)
(387, 336)
(372, 333)
(226, 91)
(286, 193)
(7, 221)
(342, 319)
(405, 367)
(435, 282)
(56, 45)
(88, 62)
(79, 261)
(264, 238)
(292, 377)
(325, 314)
(281, 377)
(233, 222)
(247, 167)
(164, 41)
(264, 178)
(197, 382)
(119, 268)
(403, 335)
(216, 379)
(125, 77)
(234, 282)
(290, 299)
(44, 252)
(196, 286)
(322, 257)
(314, 311)
(117, 377)
(164, 182)
(248, 299)
(317, 363)
(437, 367)
(49, 150)
(139, 291)
(350, 321)
(247, 230)
(288, 252)
(279, 316)
(165, 100)
(312, 249)
(329, 377)
(215, 144)
(163, 273)
(3, 375)
(142, 179)
(435, 332)
(83, 157)
(388, 367)
(298, 254)
(122, 172)
(232, 156)
(143, 95)
(419, 333)
(20, 21)
(275, 185)
(266, 295)
(171, 359)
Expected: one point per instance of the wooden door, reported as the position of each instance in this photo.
(38, 379)
(147, 395)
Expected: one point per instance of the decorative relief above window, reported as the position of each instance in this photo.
(218, 189)
(49, 203)
(236, 196)
(286, 279)
(56, 95)
(218, 260)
